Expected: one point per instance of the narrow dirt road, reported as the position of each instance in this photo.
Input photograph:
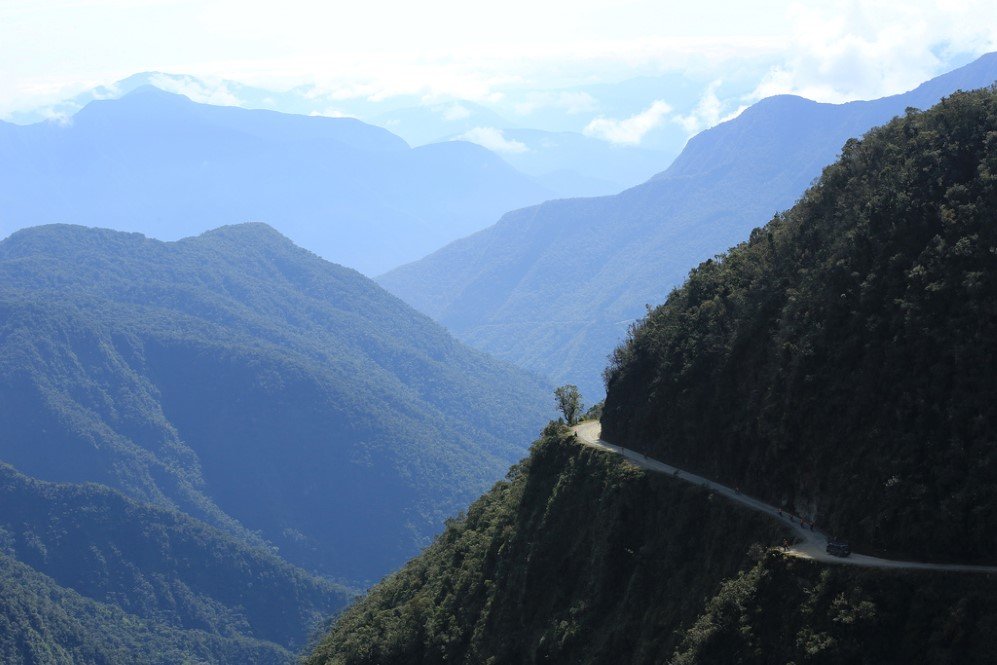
(810, 543)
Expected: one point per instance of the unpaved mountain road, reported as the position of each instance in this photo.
(811, 544)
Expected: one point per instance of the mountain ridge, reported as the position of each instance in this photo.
(158, 163)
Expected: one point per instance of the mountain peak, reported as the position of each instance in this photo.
(245, 237)
(146, 102)
(249, 230)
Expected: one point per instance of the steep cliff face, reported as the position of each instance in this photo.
(579, 558)
(841, 361)
(575, 558)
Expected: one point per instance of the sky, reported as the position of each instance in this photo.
(515, 51)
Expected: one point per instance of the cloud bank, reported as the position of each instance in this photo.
(493, 139)
(203, 92)
(863, 50)
(629, 131)
(828, 50)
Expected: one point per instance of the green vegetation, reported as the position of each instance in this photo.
(840, 362)
(43, 624)
(791, 611)
(158, 564)
(575, 558)
(243, 380)
(594, 412)
(568, 401)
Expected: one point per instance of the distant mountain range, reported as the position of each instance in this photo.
(244, 381)
(566, 162)
(554, 287)
(571, 163)
(420, 120)
(158, 163)
(542, 133)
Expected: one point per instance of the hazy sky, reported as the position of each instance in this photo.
(50, 49)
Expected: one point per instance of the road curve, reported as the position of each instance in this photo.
(810, 543)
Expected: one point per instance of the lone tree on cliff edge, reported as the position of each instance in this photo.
(568, 401)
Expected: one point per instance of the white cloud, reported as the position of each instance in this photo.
(706, 114)
(204, 92)
(456, 112)
(854, 49)
(629, 131)
(493, 139)
(61, 116)
(709, 111)
(831, 50)
(109, 91)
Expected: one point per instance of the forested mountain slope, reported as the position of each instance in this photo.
(163, 165)
(571, 559)
(841, 361)
(580, 559)
(41, 622)
(160, 565)
(252, 385)
(554, 287)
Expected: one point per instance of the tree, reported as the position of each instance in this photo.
(568, 401)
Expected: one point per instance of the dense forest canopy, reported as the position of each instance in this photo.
(158, 564)
(43, 623)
